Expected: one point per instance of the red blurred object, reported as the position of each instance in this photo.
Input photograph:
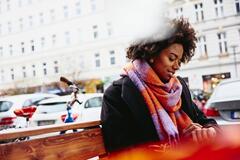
(75, 115)
(7, 120)
(26, 111)
(225, 146)
(212, 112)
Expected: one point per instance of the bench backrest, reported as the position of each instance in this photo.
(84, 144)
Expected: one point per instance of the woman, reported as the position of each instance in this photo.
(149, 103)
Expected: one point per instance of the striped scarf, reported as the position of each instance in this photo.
(163, 100)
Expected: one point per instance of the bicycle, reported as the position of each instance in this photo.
(70, 117)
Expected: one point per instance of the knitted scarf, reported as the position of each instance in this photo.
(163, 100)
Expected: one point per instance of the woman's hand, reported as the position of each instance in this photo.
(203, 134)
(187, 132)
(198, 134)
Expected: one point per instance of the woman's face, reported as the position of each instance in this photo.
(168, 62)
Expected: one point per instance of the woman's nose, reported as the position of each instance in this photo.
(176, 66)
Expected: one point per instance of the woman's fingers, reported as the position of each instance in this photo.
(194, 126)
(197, 125)
(199, 134)
(194, 137)
(203, 134)
(211, 132)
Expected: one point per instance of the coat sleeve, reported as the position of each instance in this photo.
(117, 125)
(198, 115)
(201, 118)
(206, 122)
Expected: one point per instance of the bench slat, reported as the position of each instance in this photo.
(16, 133)
(81, 145)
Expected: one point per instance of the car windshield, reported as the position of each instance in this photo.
(5, 106)
(94, 102)
(52, 107)
(33, 101)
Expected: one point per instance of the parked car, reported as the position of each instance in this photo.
(199, 97)
(54, 110)
(224, 103)
(9, 104)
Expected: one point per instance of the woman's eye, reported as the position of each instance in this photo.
(171, 58)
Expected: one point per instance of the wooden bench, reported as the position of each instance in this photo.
(84, 144)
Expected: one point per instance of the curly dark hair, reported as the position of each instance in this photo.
(183, 34)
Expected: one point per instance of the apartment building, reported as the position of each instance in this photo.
(217, 55)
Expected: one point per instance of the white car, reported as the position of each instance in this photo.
(52, 110)
(224, 103)
(8, 104)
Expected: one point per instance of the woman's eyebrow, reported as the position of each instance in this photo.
(174, 54)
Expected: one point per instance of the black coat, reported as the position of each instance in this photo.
(126, 120)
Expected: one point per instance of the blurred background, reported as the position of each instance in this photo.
(41, 40)
(85, 41)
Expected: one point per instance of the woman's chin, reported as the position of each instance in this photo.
(166, 80)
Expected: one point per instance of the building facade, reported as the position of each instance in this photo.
(42, 40)
(217, 55)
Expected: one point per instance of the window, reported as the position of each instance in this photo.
(97, 60)
(67, 37)
(33, 70)
(9, 27)
(20, 23)
(32, 46)
(2, 75)
(0, 7)
(19, 3)
(24, 72)
(239, 33)
(237, 3)
(95, 32)
(44, 69)
(12, 73)
(10, 49)
(78, 8)
(29, 1)
(112, 57)
(5, 106)
(42, 42)
(1, 51)
(199, 12)
(222, 42)
(52, 14)
(53, 39)
(65, 11)
(202, 46)
(55, 66)
(8, 5)
(41, 19)
(109, 29)
(218, 8)
(22, 46)
(93, 5)
(93, 102)
(179, 12)
(30, 19)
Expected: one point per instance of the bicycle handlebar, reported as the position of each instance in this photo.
(65, 80)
